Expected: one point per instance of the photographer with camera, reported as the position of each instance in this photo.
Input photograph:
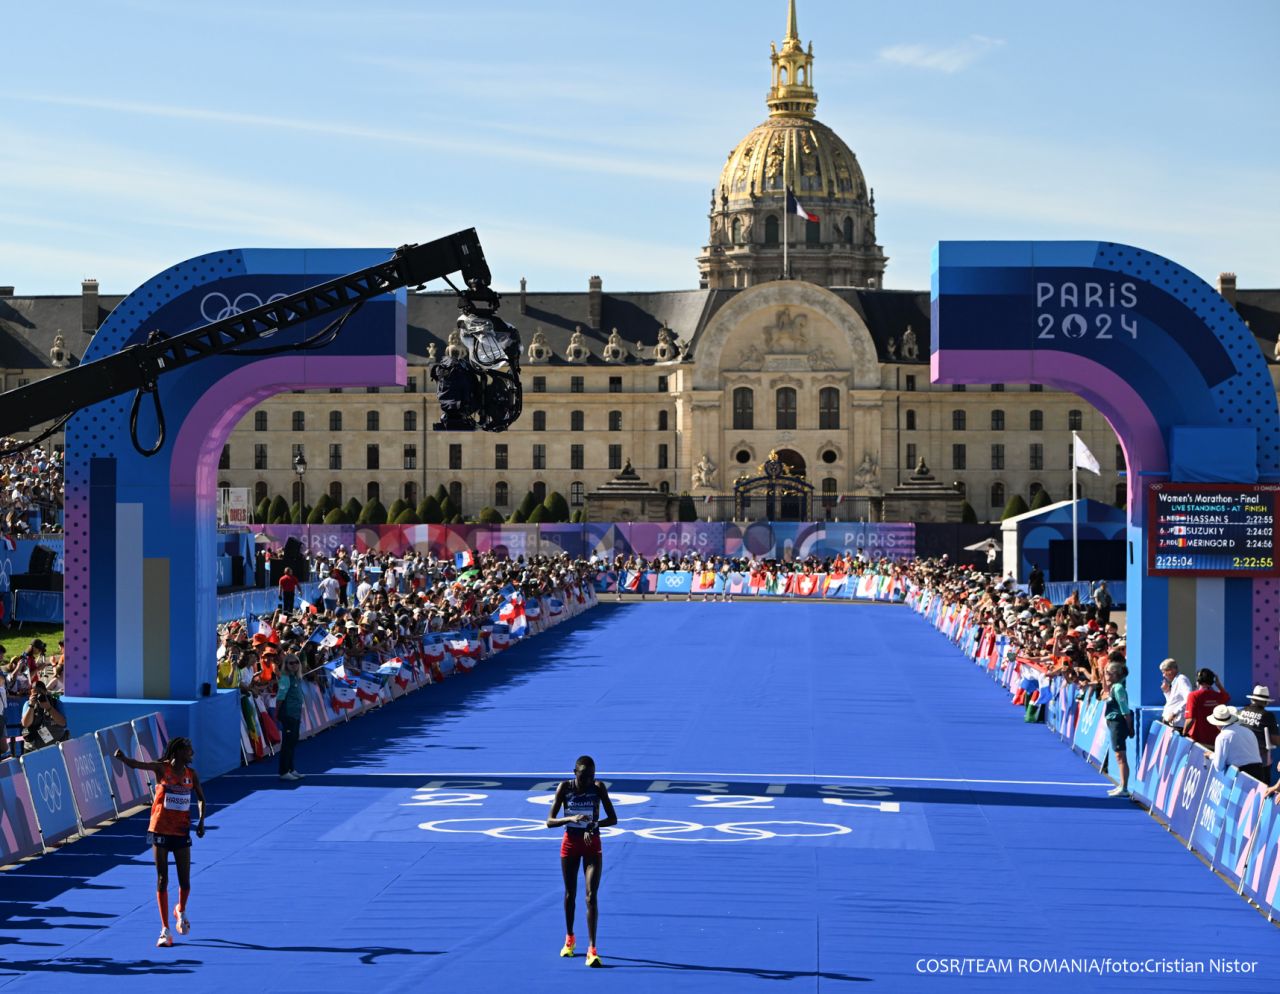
(42, 723)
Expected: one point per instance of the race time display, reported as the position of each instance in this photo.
(1212, 529)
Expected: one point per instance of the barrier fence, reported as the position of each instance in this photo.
(1225, 816)
(356, 682)
(871, 586)
(51, 795)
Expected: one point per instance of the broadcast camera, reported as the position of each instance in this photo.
(481, 387)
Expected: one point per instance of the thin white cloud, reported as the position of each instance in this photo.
(942, 58)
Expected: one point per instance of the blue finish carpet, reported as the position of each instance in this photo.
(813, 797)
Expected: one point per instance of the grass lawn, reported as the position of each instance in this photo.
(15, 640)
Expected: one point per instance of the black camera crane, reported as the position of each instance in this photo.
(138, 367)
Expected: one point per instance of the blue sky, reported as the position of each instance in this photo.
(584, 138)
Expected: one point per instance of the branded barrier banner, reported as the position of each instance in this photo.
(128, 785)
(1240, 826)
(37, 605)
(1091, 731)
(1153, 766)
(1206, 829)
(51, 795)
(1164, 796)
(88, 780)
(1262, 875)
(1189, 783)
(19, 830)
(151, 736)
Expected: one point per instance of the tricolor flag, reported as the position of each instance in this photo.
(368, 686)
(307, 606)
(1084, 459)
(267, 632)
(464, 559)
(331, 641)
(835, 581)
(318, 636)
(555, 606)
(9, 544)
(794, 207)
(533, 609)
(342, 693)
(396, 670)
(633, 580)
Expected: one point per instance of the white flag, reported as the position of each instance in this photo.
(1084, 459)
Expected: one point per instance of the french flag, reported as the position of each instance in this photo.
(368, 687)
(464, 559)
(633, 581)
(555, 606)
(342, 694)
(794, 207)
(267, 632)
(307, 606)
(331, 641)
(318, 636)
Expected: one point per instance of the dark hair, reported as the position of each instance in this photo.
(1206, 676)
(171, 750)
(584, 761)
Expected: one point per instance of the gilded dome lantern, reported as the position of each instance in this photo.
(792, 149)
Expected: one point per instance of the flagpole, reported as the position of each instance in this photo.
(786, 266)
(1075, 525)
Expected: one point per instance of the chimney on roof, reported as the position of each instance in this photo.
(6, 291)
(594, 287)
(89, 306)
(524, 304)
(1227, 287)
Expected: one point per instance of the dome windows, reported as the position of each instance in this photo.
(771, 231)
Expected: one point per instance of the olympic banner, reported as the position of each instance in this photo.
(88, 780)
(1091, 730)
(1168, 777)
(1206, 830)
(1189, 784)
(19, 830)
(128, 785)
(1154, 763)
(151, 735)
(673, 582)
(51, 795)
(1240, 826)
(1262, 874)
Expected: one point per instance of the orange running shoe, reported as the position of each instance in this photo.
(569, 943)
(593, 957)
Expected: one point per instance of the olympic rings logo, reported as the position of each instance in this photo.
(216, 306)
(50, 787)
(656, 829)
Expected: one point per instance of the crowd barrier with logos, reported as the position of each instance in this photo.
(350, 685)
(54, 794)
(1225, 816)
(819, 586)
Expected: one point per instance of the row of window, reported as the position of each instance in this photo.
(909, 384)
(1035, 420)
(960, 458)
(784, 408)
(373, 456)
(373, 421)
(578, 384)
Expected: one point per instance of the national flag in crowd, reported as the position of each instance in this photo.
(331, 641)
(394, 669)
(342, 693)
(500, 638)
(307, 606)
(533, 609)
(462, 646)
(267, 632)
(318, 636)
(555, 606)
(794, 207)
(806, 584)
(368, 686)
(9, 544)
(633, 580)
(464, 559)
(835, 581)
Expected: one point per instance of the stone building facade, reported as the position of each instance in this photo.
(695, 387)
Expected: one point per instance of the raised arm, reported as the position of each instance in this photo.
(138, 764)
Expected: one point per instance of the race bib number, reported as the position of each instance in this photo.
(177, 800)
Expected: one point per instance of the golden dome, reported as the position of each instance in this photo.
(798, 152)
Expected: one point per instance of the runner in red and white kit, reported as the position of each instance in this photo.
(170, 827)
(582, 798)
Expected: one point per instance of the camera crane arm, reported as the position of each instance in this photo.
(137, 367)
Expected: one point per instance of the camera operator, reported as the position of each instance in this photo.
(42, 722)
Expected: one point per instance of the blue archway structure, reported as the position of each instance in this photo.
(1180, 378)
(140, 567)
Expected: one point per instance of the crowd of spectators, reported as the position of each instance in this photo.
(31, 488)
(380, 604)
(36, 675)
(1077, 641)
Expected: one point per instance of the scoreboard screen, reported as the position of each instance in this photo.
(1212, 529)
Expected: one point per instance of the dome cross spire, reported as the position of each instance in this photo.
(792, 93)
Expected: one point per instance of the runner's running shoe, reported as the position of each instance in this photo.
(180, 920)
(593, 957)
(569, 943)
(165, 939)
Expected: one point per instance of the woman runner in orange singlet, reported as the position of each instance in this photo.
(170, 827)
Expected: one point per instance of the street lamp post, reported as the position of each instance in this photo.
(300, 467)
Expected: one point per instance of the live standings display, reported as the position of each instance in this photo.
(1226, 817)
(53, 794)
(1212, 529)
